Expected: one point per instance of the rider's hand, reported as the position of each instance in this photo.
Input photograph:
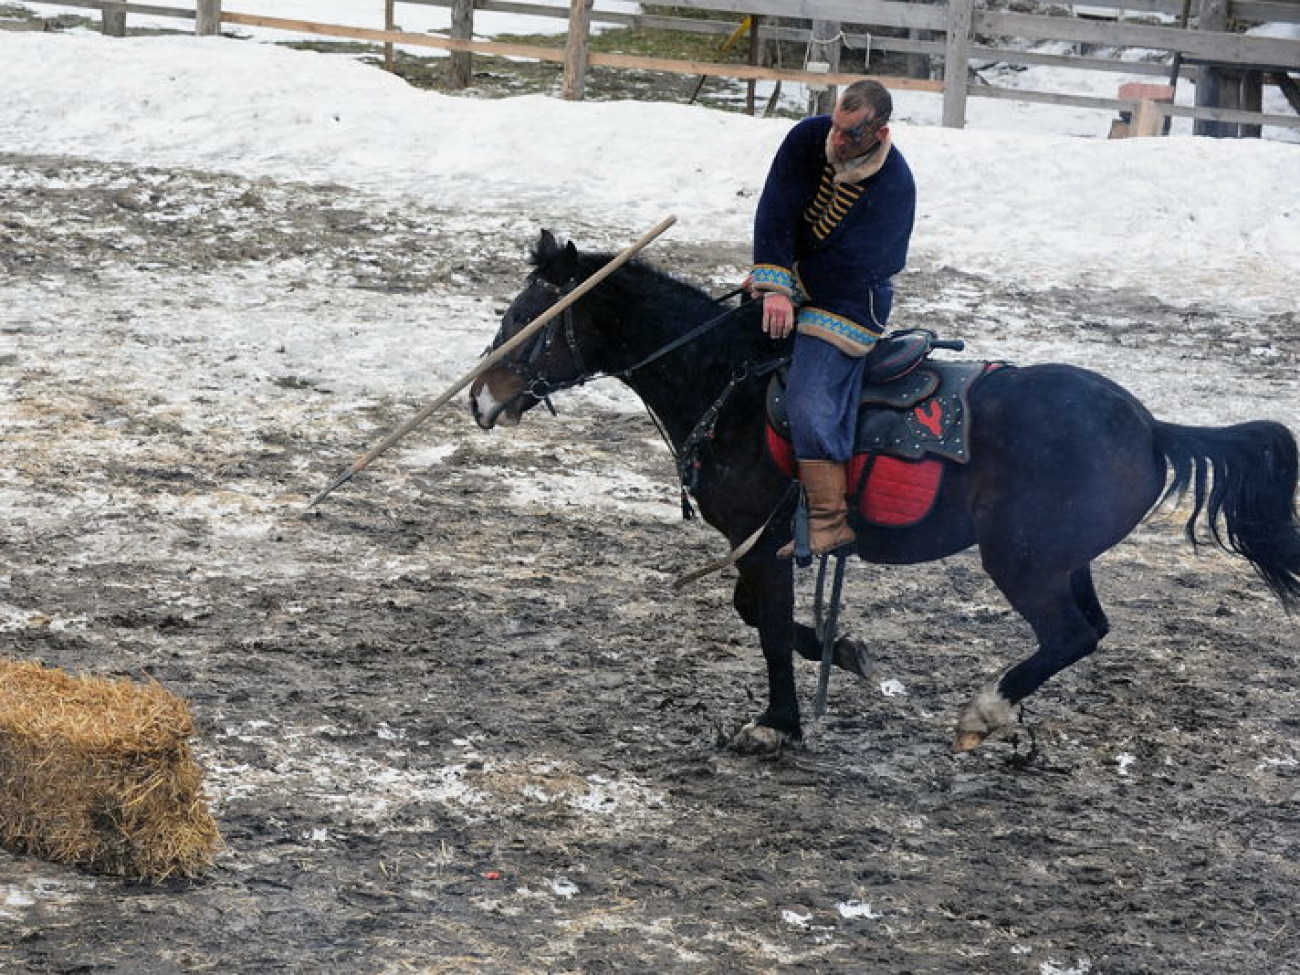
(778, 314)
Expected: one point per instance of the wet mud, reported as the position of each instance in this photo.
(457, 720)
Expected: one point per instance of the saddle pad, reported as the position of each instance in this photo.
(898, 493)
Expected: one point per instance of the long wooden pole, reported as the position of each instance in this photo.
(496, 356)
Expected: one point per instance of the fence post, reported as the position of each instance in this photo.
(1213, 15)
(390, 23)
(1252, 100)
(824, 48)
(755, 57)
(113, 19)
(956, 62)
(919, 65)
(575, 50)
(207, 17)
(460, 68)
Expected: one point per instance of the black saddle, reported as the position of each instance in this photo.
(912, 406)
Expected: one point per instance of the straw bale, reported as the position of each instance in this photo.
(99, 773)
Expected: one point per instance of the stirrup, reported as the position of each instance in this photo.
(827, 624)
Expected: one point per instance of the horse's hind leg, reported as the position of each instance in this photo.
(1068, 621)
(1085, 597)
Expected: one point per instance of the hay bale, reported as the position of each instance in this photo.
(99, 773)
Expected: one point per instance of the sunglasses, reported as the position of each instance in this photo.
(860, 131)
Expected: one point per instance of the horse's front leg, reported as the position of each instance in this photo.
(767, 584)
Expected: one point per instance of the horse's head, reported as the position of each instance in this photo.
(550, 359)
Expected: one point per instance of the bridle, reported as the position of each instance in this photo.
(525, 365)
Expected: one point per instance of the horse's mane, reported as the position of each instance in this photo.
(679, 305)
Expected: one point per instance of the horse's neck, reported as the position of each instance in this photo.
(684, 387)
(681, 387)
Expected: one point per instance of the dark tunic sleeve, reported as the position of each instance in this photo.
(791, 181)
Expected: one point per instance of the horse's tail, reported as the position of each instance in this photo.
(1249, 501)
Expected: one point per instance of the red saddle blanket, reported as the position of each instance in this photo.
(897, 492)
(908, 430)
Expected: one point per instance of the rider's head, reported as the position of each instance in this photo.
(860, 120)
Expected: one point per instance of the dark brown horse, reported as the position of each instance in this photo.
(1063, 465)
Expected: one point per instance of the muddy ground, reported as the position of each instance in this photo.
(458, 720)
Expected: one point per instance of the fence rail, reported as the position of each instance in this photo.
(1227, 67)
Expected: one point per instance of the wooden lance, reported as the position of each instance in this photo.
(496, 356)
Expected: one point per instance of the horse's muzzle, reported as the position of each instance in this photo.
(491, 409)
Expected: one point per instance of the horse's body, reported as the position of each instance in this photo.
(1063, 465)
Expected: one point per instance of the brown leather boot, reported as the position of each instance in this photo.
(826, 484)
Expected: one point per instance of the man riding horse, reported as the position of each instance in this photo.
(832, 228)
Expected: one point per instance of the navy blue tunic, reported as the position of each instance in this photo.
(833, 246)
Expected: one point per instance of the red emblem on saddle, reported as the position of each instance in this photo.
(930, 415)
(898, 492)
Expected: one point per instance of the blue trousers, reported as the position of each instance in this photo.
(822, 399)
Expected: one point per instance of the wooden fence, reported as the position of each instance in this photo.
(1228, 68)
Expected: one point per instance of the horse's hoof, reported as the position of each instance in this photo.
(759, 739)
(988, 714)
(851, 655)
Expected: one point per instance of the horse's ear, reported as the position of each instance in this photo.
(546, 247)
(570, 251)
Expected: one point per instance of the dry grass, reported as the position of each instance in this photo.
(99, 773)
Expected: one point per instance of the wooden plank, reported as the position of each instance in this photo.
(997, 55)
(751, 71)
(1126, 7)
(1266, 11)
(527, 52)
(531, 52)
(725, 28)
(881, 13)
(1234, 115)
(1148, 120)
(1114, 104)
(131, 8)
(1203, 44)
